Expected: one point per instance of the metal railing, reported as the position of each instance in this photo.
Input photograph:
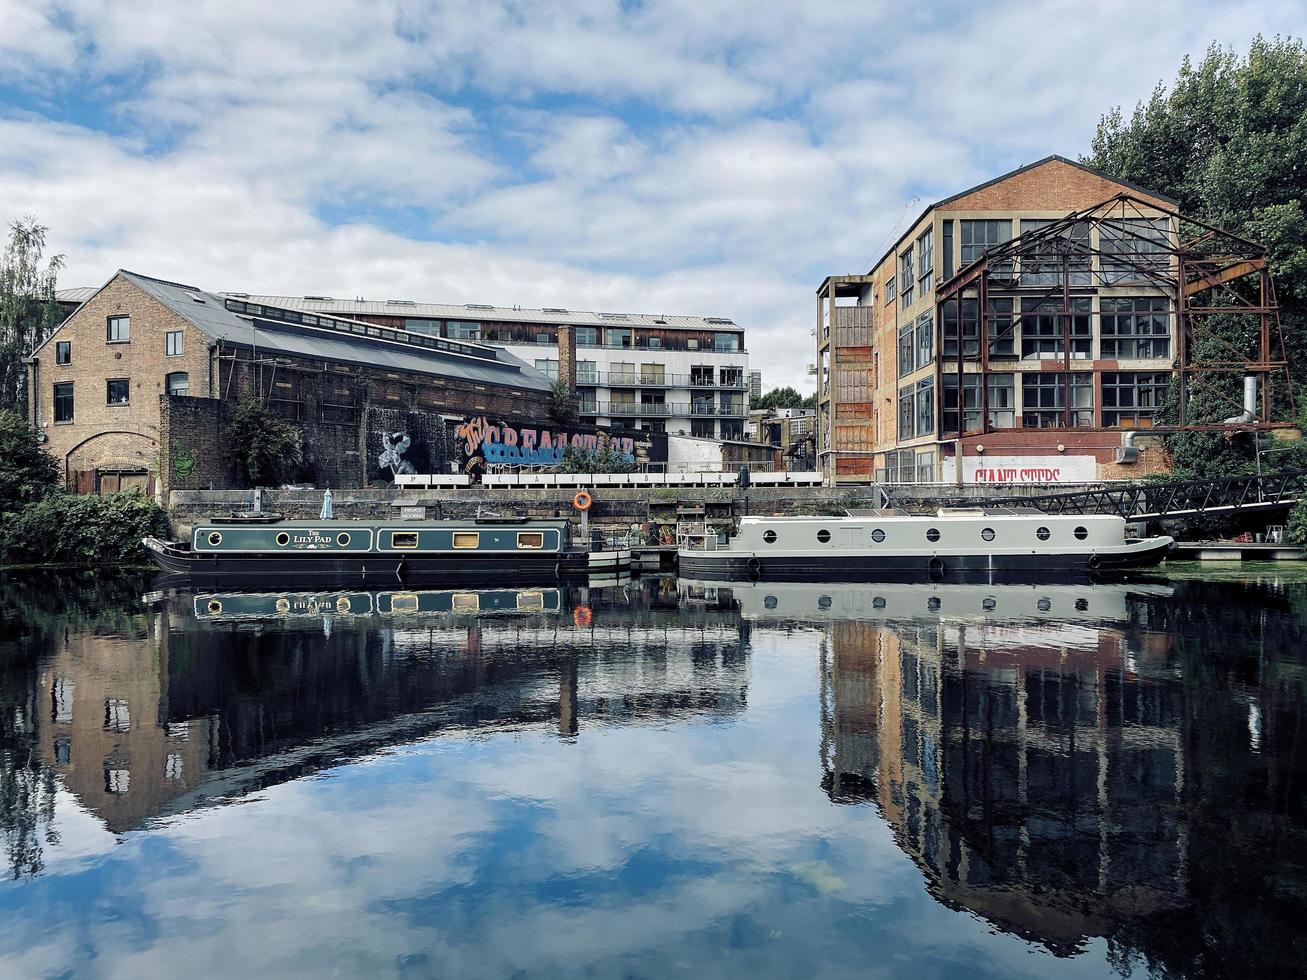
(662, 410)
(640, 379)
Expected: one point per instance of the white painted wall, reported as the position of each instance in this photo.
(987, 469)
(686, 454)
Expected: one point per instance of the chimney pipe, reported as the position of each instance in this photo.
(1249, 413)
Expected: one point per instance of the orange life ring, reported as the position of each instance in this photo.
(582, 500)
(581, 616)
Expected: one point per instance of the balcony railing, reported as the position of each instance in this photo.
(661, 409)
(638, 379)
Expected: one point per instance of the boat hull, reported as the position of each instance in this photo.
(853, 567)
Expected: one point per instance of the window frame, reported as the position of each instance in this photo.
(539, 537)
(114, 320)
(126, 382)
(168, 383)
(63, 352)
(54, 404)
(459, 540)
(167, 343)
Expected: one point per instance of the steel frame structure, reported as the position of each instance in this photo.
(1203, 270)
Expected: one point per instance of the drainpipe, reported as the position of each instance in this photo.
(1249, 413)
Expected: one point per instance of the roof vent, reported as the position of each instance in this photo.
(718, 319)
(237, 295)
(195, 298)
(477, 306)
(400, 302)
(612, 316)
(319, 299)
(553, 309)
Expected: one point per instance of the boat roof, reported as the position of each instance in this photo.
(897, 514)
(226, 523)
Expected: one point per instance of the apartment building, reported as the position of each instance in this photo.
(999, 340)
(683, 375)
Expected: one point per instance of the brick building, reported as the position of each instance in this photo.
(1075, 345)
(137, 386)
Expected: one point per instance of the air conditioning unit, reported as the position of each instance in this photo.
(1126, 454)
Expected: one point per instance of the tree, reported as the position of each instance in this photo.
(28, 311)
(562, 403)
(27, 472)
(1228, 141)
(264, 448)
(604, 459)
(785, 397)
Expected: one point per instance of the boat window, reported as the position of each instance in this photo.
(525, 539)
(823, 535)
(932, 534)
(215, 538)
(403, 539)
(1044, 604)
(769, 537)
(283, 605)
(933, 603)
(878, 602)
(465, 602)
(343, 605)
(1042, 533)
(1082, 605)
(769, 602)
(824, 602)
(989, 603)
(405, 603)
(342, 538)
(878, 535)
(215, 606)
(530, 600)
(283, 539)
(467, 539)
(987, 533)
(1081, 533)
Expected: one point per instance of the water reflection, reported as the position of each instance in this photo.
(1108, 770)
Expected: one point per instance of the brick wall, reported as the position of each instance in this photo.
(1055, 185)
(193, 439)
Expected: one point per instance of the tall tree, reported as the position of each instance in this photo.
(1228, 140)
(785, 397)
(28, 311)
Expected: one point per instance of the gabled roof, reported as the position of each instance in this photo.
(1051, 158)
(337, 342)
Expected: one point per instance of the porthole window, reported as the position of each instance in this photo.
(989, 604)
(878, 535)
(987, 533)
(1081, 533)
(932, 535)
(343, 604)
(342, 539)
(1042, 533)
(933, 603)
(1044, 604)
(823, 535)
(283, 539)
(769, 602)
(878, 602)
(823, 602)
(215, 606)
(283, 606)
(215, 538)
(769, 537)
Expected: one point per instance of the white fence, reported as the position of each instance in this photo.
(576, 481)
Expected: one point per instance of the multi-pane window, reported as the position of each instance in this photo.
(623, 372)
(725, 342)
(925, 343)
(889, 290)
(1002, 401)
(1134, 249)
(925, 261)
(1042, 263)
(428, 328)
(462, 330)
(587, 401)
(916, 343)
(63, 401)
(653, 374)
(179, 383)
(704, 428)
(970, 402)
(907, 412)
(548, 367)
(948, 249)
(172, 343)
(1044, 399)
(587, 336)
(907, 348)
(917, 409)
(118, 329)
(587, 372)
(655, 343)
(1042, 322)
(619, 336)
(907, 276)
(63, 352)
(998, 329)
(982, 234)
(117, 391)
(1133, 398)
(1135, 326)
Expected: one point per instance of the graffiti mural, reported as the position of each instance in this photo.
(395, 445)
(501, 444)
(403, 441)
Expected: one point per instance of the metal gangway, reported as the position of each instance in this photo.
(1175, 498)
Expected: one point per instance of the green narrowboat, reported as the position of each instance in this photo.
(258, 606)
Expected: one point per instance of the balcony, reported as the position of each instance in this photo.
(661, 410)
(635, 379)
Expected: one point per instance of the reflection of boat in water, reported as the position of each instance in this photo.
(488, 550)
(289, 605)
(950, 545)
(898, 601)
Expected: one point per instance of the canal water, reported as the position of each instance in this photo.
(656, 778)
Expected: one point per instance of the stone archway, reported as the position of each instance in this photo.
(113, 460)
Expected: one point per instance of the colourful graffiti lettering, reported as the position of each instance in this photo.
(505, 445)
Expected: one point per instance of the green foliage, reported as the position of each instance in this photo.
(605, 459)
(264, 448)
(28, 311)
(84, 531)
(1295, 531)
(1228, 140)
(562, 403)
(27, 472)
(785, 397)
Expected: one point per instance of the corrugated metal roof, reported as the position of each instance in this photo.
(208, 311)
(476, 312)
(78, 294)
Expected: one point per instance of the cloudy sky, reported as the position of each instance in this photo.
(711, 158)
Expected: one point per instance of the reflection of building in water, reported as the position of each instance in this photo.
(199, 707)
(1033, 771)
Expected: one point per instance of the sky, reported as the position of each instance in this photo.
(681, 157)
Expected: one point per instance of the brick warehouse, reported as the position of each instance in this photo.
(1031, 329)
(136, 388)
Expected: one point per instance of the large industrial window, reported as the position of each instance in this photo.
(917, 409)
(1002, 401)
(179, 383)
(63, 352)
(907, 276)
(467, 539)
(925, 261)
(948, 249)
(925, 340)
(1134, 249)
(906, 413)
(118, 391)
(118, 329)
(1042, 264)
(907, 354)
(1042, 326)
(63, 401)
(998, 328)
(980, 235)
(530, 540)
(1135, 326)
(1044, 400)
(173, 344)
(970, 402)
(1133, 399)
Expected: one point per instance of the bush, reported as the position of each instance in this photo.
(264, 448)
(83, 531)
(27, 472)
(1295, 532)
(577, 459)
